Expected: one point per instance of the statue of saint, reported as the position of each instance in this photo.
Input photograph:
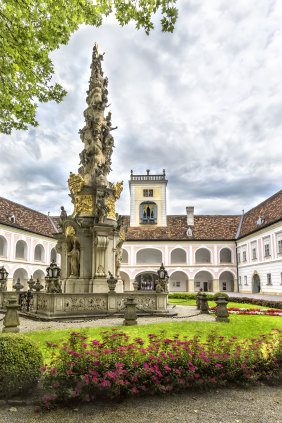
(74, 260)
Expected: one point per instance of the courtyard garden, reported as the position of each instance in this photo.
(83, 364)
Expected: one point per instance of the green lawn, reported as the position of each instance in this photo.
(240, 326)
(211, 303)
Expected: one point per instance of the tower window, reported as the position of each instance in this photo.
(148, 212)
(148, 192)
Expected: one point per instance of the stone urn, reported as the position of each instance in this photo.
(31, 283)
(38, 286)
(204, 306)
(130, 316)
(11, 320)
(112, 283)
(18, 285)
(221, 313)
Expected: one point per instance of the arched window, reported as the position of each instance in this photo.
(21, 250)
(39, 253)
(148, 212)
(3, 247)
(149, 256)
(53, 255)
(124, 259)
(225, 255)
(203, 256)
(178, 256)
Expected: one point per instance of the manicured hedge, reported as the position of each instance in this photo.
(242, 300)
(20, 364)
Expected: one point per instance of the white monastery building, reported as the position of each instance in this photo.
(27, 245)
(237, 253)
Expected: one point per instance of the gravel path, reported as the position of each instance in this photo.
(255, 405)
(183, 313)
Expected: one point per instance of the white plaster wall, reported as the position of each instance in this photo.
(262, 265)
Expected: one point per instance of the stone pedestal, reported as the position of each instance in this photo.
(11, 320)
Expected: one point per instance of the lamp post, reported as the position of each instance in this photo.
(3, 279)
(52, 278)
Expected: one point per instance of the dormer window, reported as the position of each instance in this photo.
(148, 212)
(148, 192)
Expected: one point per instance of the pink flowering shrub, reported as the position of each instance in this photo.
(85, 369)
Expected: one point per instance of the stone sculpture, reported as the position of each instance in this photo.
(90, 241)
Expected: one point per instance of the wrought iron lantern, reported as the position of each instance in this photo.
(53, 271)
(52, 278)
(3, 278)
(162, 273)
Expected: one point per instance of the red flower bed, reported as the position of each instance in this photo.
(252, 311)
(85, 369)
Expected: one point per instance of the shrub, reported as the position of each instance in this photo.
(83, 370)
(20, 364)
(221, 294)
(188, 296)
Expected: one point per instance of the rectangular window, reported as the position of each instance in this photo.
(266, 250)
(268, 276)
(254, 251)
(178, 284)
(246, 280)
(280, 246)
(198, 284)
(239, 257)
(223, 286)
(244, 255)
(148, 192)
(240, 280)
(266, 243)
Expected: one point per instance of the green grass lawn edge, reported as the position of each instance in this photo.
(242, 327)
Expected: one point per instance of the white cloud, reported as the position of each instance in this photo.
(205, 103)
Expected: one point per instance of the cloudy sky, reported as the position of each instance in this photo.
(204, 103)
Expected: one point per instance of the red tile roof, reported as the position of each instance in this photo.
(25, 218)
(206, 227)
(270, 211)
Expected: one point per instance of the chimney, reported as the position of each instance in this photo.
(190, 216)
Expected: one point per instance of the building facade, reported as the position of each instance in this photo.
(27, 245)
(232, 253)
(212, 252)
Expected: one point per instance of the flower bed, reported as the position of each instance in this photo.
(83, 370)
(252, 311)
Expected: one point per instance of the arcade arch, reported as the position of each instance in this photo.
(226, 281)
(202, 255)
(178, 281)
(126, 281)
(124, 259)
(21, 250)
(53, 255)
(3, 246)
(149, 256)
(146, 281)
(204, 280)
(225, 255)
(39, 253)
(178, 256)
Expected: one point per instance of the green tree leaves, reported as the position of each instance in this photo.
(31, 29)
